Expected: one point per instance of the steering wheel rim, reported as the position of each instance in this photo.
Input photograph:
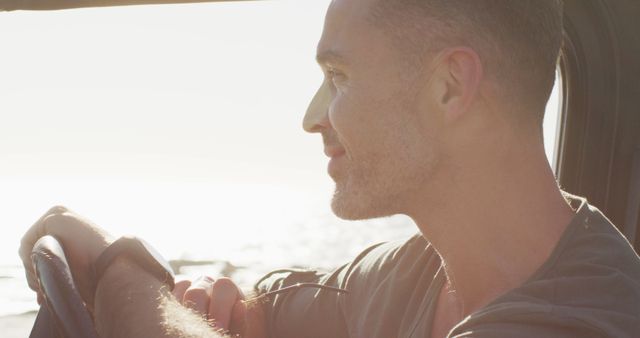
(63, 307)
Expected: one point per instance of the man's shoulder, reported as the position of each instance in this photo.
(382, 257)
(589, 287)
(594, 251)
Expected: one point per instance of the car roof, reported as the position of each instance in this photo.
(11, 5)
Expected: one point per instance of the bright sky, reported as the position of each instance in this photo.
(188, 111)
(163, 120)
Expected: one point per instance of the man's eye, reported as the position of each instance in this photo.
(334, 75)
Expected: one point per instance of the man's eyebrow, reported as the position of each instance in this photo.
(329, 57)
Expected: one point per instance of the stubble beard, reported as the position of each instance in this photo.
(379, 188)
(386, 183)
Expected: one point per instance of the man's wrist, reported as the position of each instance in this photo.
(124, 289)
(138, 251)
(123, 276)
(123, 270)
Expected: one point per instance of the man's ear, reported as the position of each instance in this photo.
(457, 81)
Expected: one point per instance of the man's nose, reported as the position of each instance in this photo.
(316, 119)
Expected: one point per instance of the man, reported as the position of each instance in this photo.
(431, 109)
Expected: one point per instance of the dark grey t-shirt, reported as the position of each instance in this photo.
(589, 287)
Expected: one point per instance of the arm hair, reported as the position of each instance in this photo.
(131, 303)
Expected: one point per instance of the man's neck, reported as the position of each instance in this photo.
(495, 225)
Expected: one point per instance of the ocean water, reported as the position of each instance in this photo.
(16, 298)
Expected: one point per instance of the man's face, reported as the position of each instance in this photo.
(382, 147)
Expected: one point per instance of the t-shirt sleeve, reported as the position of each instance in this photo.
(305, 311)
(313, 312)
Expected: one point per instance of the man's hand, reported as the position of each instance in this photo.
(83, 242)
(222, 304)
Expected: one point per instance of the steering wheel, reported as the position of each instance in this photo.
(63, 313)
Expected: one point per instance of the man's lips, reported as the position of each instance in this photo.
(336, 154)
(333, 152)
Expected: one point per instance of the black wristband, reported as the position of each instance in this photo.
(138, 251)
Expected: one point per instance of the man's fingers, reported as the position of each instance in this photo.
(36, 231)
(218, 301)
(237, 325)
(30, 238)
(196, 297)
(224, 295)
(180, 288)
(249, 320)
(82, 241)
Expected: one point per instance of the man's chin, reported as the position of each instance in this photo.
(354, 208)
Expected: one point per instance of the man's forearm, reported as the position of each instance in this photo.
(131, 303)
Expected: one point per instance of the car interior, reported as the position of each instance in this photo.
(598, 139)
